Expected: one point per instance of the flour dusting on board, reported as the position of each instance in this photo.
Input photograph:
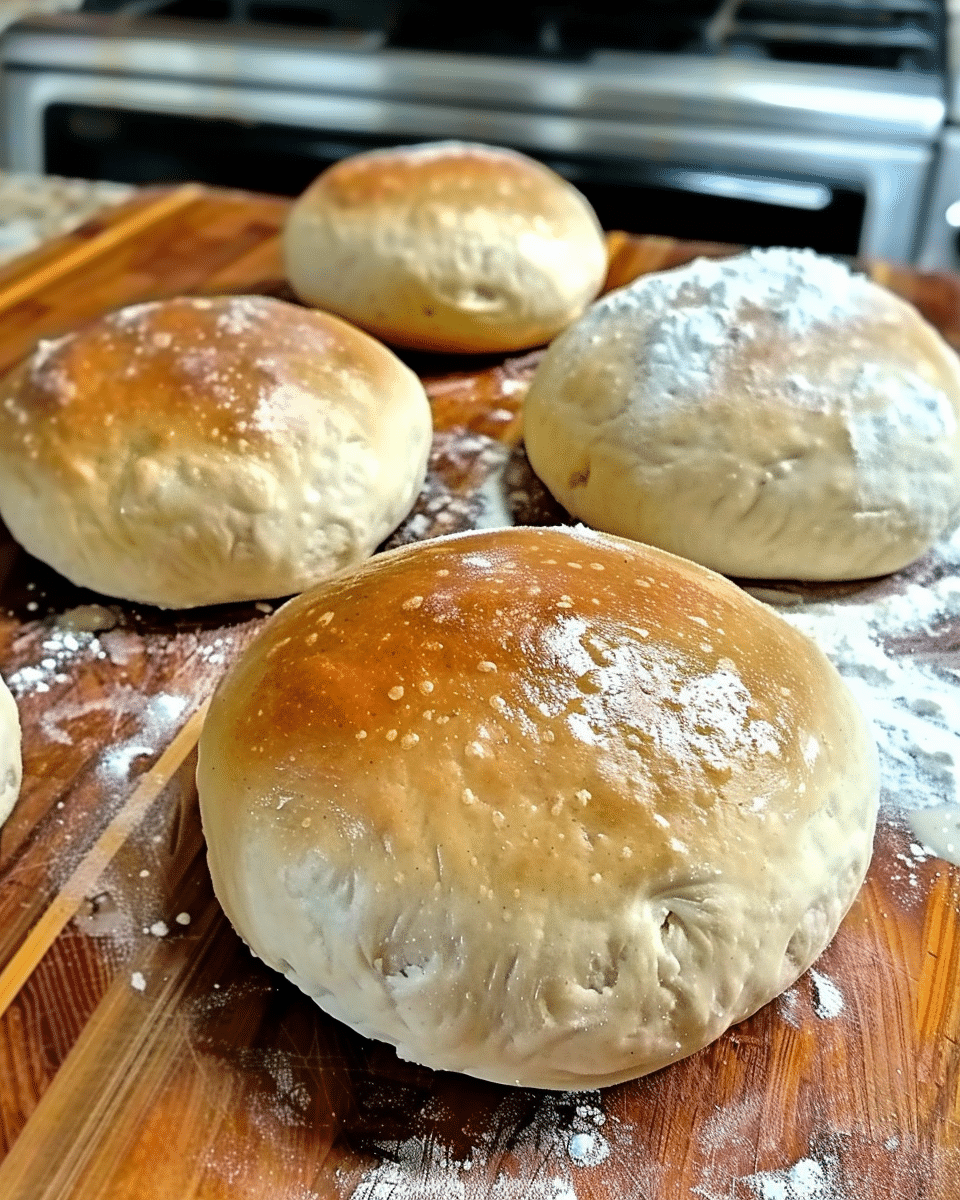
(58, 650)
(809, 1178)
(827, 997)
(909, 697)
(160, 717)
(562, 1141)
(805, 1180)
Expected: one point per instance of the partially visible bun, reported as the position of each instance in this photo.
(11, 768)
(770, 416)
(446, 246)
(544, 806)
(198, 451)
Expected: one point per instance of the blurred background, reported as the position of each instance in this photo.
(833, 124)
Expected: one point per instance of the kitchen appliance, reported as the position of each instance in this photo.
(799, 122)
(940, 237)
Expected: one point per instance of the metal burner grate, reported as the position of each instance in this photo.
(898, 34)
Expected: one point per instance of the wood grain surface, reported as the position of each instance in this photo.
(144, 1053)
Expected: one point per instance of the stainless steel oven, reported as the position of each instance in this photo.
(733, 120)
(940, 237)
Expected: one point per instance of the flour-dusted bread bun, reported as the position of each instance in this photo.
(770, 416)
(11, 769)
(541, 805)
(197, 451)
(446, 246)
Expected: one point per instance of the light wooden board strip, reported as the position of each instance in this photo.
(263, 262)
(119, 1069)
(123, 231)
(85, 875)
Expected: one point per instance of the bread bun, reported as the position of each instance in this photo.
(540, 805)
(446, 246)
(770, 416)
(197, 451)
(11, 769)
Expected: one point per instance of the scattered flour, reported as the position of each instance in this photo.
(588, 1149)
(805, 1180)
(160, 718)
(58, 649)
(550, 1149)
(788, 1006)
(290, 1102)
(827, 997)
(910, 697)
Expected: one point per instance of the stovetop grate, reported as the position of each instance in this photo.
(890, 34)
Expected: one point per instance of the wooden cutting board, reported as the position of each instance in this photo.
(145, 1054)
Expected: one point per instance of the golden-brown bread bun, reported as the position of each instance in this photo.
(770, 416)
(11, 767)
(446, 246)
(541, 805)
(197, 451)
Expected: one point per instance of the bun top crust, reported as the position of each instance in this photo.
(772, 415)
(590, 665)
(199, 451)
(446, 246)
(508, 757)
(458, 174)
(231, 372)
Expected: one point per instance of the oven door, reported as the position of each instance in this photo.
(679, 179)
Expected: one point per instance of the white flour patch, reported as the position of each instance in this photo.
(290, 1102)
(827, 997)
(216, 652)
(495, 511)
(57, 652)
(805, 1180)
(567, 1136)
(588, 1149)
(787, 1007)
(428, 1174)
(733, 1124)
(413, 1175)
(160, 718)
(909, 699)
(116, 764)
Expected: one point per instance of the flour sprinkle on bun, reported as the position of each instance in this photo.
(772, 415)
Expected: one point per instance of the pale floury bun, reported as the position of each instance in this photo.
(446, 246)
(771, 416)
(11, 768)
(544, 806)
(197, 451)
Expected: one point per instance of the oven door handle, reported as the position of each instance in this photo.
(785, 193)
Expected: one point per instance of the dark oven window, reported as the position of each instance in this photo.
(680, 200)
